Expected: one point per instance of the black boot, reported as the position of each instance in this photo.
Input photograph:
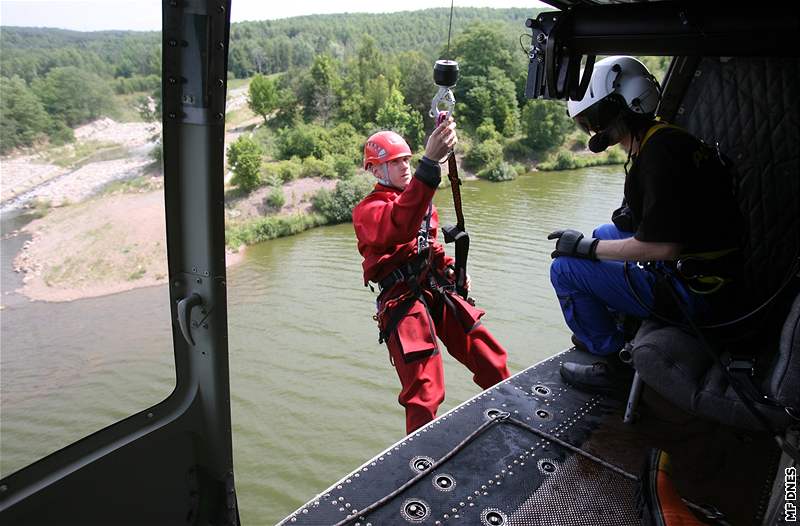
(608, 374)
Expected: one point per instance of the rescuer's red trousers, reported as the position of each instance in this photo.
(422, 378)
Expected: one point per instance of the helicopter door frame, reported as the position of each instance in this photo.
(173, 462)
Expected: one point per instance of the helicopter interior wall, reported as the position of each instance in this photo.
(150, 472)
(750, 107)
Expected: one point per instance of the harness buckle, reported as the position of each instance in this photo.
(742, 365)
(683, 266)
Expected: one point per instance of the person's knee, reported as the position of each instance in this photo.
(563, 271)
(605, 231)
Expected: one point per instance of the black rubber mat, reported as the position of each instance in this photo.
(509, 474)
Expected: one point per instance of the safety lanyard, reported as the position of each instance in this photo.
(424, 228)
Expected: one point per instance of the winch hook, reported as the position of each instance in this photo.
(445, 76)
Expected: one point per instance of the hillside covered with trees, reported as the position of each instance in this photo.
(319, 85)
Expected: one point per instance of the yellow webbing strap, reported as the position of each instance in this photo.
(653, 129)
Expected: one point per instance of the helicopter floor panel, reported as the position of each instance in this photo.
(547, 453)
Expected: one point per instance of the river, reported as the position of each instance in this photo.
(313, 394)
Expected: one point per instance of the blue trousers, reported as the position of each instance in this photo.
(592, 293)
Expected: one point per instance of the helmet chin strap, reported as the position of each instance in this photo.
(385, 179)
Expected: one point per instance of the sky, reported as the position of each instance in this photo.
(145, 15)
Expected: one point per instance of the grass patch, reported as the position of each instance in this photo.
(81, 153)
(67, 272)
(39, 208)
(234, 119)
(566, 160)
(266, 228)
(237, 83)
(133, 185)
(137, 274)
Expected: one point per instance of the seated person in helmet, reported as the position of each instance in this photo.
(680, 201)
(396, 226)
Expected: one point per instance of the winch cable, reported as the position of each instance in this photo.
(449, 28)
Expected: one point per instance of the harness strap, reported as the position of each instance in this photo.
(655, 128)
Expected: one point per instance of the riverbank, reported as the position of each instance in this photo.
(116, 241)
(102, 227)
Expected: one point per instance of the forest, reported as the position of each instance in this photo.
(320, 84)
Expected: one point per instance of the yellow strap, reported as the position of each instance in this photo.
(653, 129)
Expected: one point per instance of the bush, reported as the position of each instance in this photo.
(545, 124)
(345, 140)
(565, 160)
(483, 154)
(616, 156)
(517, 149)
(498, 172)
(313, 167)
(157, 153)
(487, 132)
(265, 136)
(244, 158)
(344, 166)
(266, 228)
(337, 205)
(285, 171)
(301, 140)
(275, 198)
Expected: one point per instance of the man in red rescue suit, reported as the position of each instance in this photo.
(396, 226)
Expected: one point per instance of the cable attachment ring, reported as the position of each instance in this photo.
(445, 76)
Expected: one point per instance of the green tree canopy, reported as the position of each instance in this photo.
(263, 96)
(73, 96)
(319, 89)
(244, 158)
(483, 46)
(398, 116)
(22, 117)
(416, 82)
(491, 97)
(545, 124)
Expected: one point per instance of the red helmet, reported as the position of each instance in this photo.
(383, 147)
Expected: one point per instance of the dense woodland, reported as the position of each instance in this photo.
(320, 83)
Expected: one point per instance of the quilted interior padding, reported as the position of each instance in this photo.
(750, 107)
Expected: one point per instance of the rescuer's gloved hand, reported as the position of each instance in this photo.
(572, 243)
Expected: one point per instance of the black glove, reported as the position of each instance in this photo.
(572, 243)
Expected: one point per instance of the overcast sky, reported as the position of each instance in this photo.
(142, 15)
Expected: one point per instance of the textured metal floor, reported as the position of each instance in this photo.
(509, 475)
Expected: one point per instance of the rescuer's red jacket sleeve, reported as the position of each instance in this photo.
(382, 223)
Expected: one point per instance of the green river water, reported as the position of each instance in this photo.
(313, 394)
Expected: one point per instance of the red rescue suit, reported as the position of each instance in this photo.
(387, 223)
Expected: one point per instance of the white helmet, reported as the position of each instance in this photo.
(615, 81)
